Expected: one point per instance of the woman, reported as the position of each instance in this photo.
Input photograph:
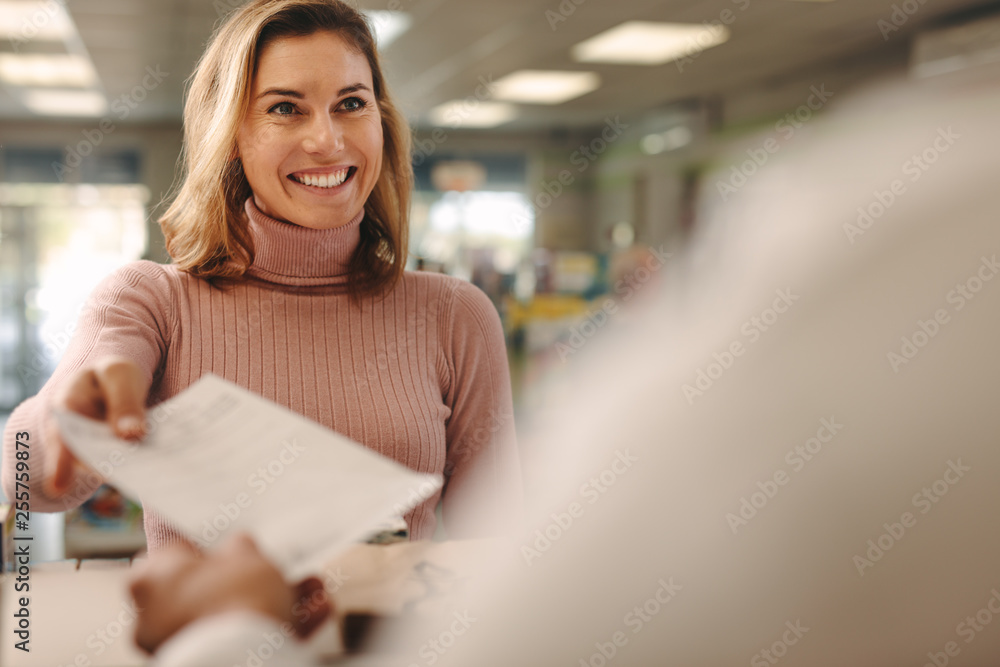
(289, 238)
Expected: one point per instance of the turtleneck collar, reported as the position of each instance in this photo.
(288, 254)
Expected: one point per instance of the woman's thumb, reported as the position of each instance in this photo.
(124, 388)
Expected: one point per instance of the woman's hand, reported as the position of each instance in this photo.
(113, 390)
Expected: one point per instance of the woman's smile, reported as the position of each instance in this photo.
(323, 179)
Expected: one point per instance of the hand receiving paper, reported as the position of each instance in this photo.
(180, 585)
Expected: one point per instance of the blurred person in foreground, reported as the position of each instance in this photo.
(800, 463)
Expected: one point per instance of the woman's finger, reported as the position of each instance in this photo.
(65, 465)
(60, 463)
(56, 477)
(82, 394)
(124, 389)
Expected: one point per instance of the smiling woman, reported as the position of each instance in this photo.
(288, 235)
(305, 102)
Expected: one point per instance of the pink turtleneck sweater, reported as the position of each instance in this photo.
(420, 376)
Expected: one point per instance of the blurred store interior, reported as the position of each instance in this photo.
(560, 146)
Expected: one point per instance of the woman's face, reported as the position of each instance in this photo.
(311, 142)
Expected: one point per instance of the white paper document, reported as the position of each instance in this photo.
(220, 459)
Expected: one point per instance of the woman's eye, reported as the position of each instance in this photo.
(354, 104)
(283, 108)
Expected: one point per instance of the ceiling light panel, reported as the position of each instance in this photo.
(72, 103)
(544, 87)
(388, 25)
(25, 20)
(462, 113)
(23, 69)
(649, 43)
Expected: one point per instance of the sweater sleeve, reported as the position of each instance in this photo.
(482, 492)
(126, 315)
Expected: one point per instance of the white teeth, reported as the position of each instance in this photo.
(323, 180)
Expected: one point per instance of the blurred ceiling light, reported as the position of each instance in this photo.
(78, 103)
(24, 20)
(953, 48)
(46, 70)
(544, 87)
(661, 142)
(462, 113)
(388, 25)
(649, 43)
(622, 235)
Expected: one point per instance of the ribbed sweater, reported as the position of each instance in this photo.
(419, 376)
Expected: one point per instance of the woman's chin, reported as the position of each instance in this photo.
(320, 217)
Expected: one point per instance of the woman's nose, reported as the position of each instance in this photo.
(323, 136)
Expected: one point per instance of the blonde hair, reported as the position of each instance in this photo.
(206, 229)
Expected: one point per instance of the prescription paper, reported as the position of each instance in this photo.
(221, 459)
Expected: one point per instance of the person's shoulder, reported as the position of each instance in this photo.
(141, 278)
(461, 293)
(431, 279)
(144, 268)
